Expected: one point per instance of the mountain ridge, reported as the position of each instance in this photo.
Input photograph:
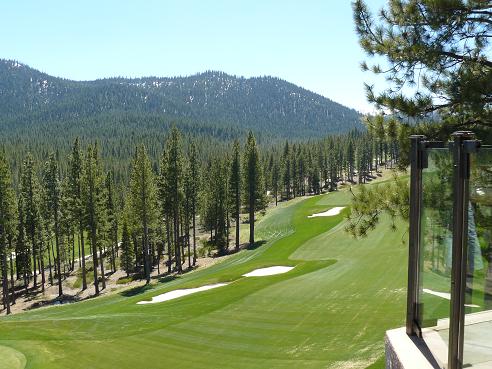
(263, 103)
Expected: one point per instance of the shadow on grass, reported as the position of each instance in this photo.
(60, 300)
(167, 278)
(256, 245)
(136, 291)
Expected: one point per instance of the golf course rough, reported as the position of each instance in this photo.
(330, 311)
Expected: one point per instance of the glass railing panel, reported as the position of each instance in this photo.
(435, 255)
(477, 349)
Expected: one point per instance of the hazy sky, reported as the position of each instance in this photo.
(311, 43)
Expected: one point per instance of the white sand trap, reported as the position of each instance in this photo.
(444, 295)
(329, 213)
(268, 271)
(180, 293)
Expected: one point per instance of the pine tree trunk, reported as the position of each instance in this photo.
(114, 245)
(159, 250)
(251, 224)
(34, 260)
(194, 234)
(41, 267)
(237, 229)
(176, 241)
(94, 259)
(12, 283)
(17, 267)
(5, 282)
(101, 264)
(182, 243)
(57, 243)
(189, 246)
(168, 236)
(237, 211)
(82, 257)
(49, 263)
(146, 251)
(72, 267)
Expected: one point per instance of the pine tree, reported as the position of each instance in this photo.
(194, 180)
(275, 180)
(165, 206)
(286, 171)
(92, 195)
(32, 219)
(235, 188)
(52, 188)
(175, 180)
(22, 250)
(254, 193)
(187, 208)
(441, 46)
(76, 205)
(220, 202)
(143, 201)
(7, 222)
(112, 219)
(127, 256)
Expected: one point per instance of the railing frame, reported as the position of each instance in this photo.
(462, 146)
(416, 166)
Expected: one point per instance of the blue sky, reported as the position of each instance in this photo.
(311, 43)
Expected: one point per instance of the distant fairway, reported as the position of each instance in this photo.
(330, 311)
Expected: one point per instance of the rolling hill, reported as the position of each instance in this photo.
(211, 103)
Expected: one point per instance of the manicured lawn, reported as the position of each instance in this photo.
(330, 311)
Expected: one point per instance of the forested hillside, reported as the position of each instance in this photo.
(214, 102)
(39, 112)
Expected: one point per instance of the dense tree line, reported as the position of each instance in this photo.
(119, 113)
(55, 221)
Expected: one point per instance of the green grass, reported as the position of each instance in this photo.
(330, 311)
(11, 359)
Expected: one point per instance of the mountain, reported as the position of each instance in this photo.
(208, 103)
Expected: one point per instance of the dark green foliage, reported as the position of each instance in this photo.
(39, 112)
(94, 209)
(82, 201)
(143, 202)
(30, 200)
(74, 197)
(235, 188)
(127, 255)
(193, 185)
(112, 219)
(254, 190)
(51, 186)
(437, 57)
(369, 204)
(7, 222)
(236, 104)
(173, 185)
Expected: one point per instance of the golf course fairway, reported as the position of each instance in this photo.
(330, 311)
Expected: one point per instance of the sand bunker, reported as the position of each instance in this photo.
(180, 293)
(329, 213)
(268, 271)
(444, 295)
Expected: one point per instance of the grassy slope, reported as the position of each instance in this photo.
(321, 314)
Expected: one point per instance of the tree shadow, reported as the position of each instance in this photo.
(60, 300)
(136, 291)
(167, 278)
(255, 245)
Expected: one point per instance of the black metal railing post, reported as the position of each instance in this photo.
(416, 165)
(463, 144)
